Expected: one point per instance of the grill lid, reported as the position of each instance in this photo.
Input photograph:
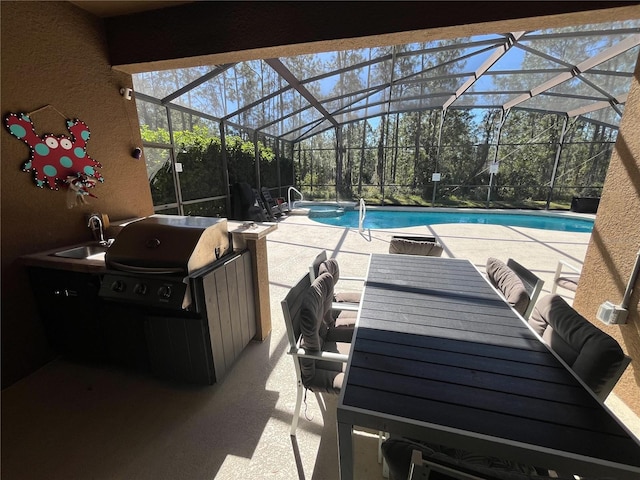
(169, 244)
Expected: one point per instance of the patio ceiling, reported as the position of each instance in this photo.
(582, 71)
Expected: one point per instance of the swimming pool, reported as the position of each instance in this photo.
(379, 218)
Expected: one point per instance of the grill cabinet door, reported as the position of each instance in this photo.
(230, 311)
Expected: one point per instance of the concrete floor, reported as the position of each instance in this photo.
(70, 421)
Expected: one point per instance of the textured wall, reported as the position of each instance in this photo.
(614, 244)
(55, 54)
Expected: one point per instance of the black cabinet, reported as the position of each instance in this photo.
(71, 311)
(81, 326)
(197, 345)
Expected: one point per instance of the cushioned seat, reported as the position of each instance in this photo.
(412, 246)
(506, 280)
(592, 354)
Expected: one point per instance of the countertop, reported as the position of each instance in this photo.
(241, 232)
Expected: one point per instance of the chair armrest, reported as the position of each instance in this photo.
(345, 306)
(562, 263)
(575, 274)
(328, 356)
(353, 279)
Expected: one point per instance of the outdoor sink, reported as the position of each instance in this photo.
(84, 252)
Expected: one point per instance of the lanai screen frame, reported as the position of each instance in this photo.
(491, 49)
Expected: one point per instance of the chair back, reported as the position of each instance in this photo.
(307, 312)
(292, 310)
(593, 355)
(426, 246)
(315, 265)
(268, 199)
(260, 202)
(532, 284)
(318, 363)
(509, 284)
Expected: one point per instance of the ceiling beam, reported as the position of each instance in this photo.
(592, 107)
(499, 52)
(291, 79)
(582, 67)
(197, 82)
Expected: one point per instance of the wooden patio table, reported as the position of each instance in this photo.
(439, 356)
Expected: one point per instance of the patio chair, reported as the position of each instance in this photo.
(268, 213)
(244, 203)
(274, 207)
(568, 281)
(323, 264)
(519, 286)
(426, 246)
(409, 459)
(595, 357)
(319, 349)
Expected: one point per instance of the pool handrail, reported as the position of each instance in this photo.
(362, 215)
(292, 205)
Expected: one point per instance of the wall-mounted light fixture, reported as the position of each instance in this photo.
(137, 153)
(126, 93)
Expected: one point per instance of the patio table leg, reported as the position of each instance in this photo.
(345, 450)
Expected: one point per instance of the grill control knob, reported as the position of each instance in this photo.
(118, 286)
(140, 289)
(164, 291)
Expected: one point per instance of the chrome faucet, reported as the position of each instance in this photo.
(95, 224)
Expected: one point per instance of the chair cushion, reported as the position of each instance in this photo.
(331, 266)
(591, 353)
(329, 375)
(313, 325)
(570, 283)
(317, 375)
(348, 297)
(415, 247)
(506, 280)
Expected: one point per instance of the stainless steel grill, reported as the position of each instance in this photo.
(177, 284)
(155, 261)
(168, 244)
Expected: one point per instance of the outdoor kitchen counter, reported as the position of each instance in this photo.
(242, 236)
(245, 235)
(47, 259)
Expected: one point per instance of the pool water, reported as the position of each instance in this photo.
(376, 219)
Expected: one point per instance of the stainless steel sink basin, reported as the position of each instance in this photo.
(83, 252)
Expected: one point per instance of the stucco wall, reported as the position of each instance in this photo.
(55, 54)
(614, 244)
